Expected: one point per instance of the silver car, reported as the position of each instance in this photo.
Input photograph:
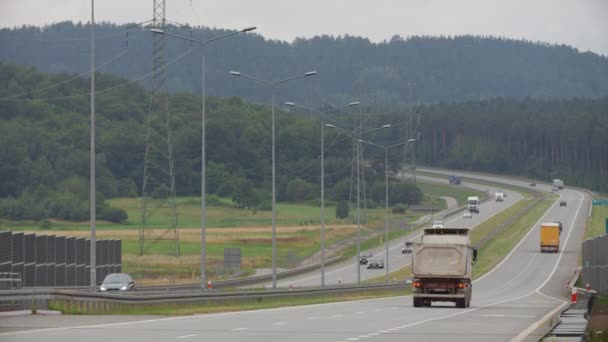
(117, 282)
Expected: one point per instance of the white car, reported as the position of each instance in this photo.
(438, 224)
(467, 214)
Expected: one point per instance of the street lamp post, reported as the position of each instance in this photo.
(203, 44)
(273, 86)
(357, 135)
(92, 191)
(322, 113)
(386, 148)
(412, 141)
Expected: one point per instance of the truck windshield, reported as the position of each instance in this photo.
(473, 202)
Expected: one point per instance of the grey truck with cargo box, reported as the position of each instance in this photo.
(442, 267)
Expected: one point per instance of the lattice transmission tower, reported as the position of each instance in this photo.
(412, 131)
(158, 185)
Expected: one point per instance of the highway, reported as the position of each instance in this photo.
(507, 301)
(346, 272)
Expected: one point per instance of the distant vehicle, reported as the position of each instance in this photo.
(442, 266)
(364, 259)
(558, 184)
(473, 204)
(532, 184)
(407, 248)
(455, 179)
(117, 282)
(467, 214)
(563, 204)
(375, 264)
(499, 196)
(437, 224)
(549, 236)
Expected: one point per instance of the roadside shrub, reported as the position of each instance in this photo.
(115, 215)
(399, 208)
(342, 210)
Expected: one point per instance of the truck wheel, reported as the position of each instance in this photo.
(460, 303)
(417, 302)
(426, 303)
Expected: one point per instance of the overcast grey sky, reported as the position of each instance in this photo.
(580, 23)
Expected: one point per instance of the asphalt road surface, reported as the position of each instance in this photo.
(520, 291)
(346, 272)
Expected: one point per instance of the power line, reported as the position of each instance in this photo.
(106, 89)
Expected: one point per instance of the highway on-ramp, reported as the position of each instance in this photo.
(509, 300)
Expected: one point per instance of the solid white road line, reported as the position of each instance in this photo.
(240, 329)
(516, 316)
(186, 336)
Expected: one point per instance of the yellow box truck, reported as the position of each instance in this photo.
(549, 236)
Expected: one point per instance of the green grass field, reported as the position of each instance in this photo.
(597, 224)
(455, 191)
(298, 235)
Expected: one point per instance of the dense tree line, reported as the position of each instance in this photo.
(401, 70)
(45, 155)
(542, 139)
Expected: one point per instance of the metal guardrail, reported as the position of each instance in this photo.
(222, 284)
(96, 301)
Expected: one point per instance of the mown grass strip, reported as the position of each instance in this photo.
(454, 191)
(238, 305)
(597, 224)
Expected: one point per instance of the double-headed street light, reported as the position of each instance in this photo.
(386, 148)
(322, 113)
(203, 44)
(273, 85)
(357, 135)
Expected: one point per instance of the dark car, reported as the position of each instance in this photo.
(532, 184)
(117, 282)
(364, 259)
(407, 248)
(563, 204)
(375, 264)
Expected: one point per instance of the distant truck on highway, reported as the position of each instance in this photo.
(549, 236)
(558, 184)
(442, 266)
(473, 204)
(499, 196)
(455, 179)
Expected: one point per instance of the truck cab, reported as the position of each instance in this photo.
(499, 196)
(473, 204)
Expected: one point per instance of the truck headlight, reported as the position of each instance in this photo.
(101, 288)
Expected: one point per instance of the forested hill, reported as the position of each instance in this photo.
(412, 70)
(45, 144)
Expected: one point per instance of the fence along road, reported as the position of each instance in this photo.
(595, 263)
(518, 293)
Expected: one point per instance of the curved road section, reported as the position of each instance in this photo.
(346, 272)
(523, 289)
